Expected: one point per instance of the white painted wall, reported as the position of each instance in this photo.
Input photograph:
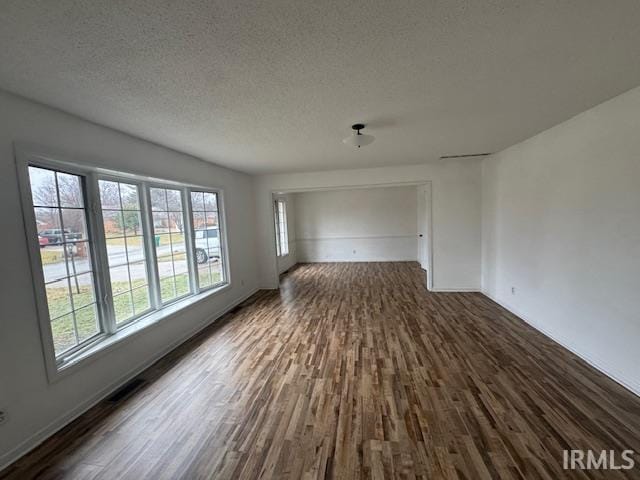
(364, 225)
(456, 213)
(287, 261)
(561, 224)
(35, 407)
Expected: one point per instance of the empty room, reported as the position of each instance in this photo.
(304, 240)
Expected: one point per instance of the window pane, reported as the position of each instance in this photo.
(63, 331)
(58, 298)
(199, 221)
(116, 251)
(53, 262)
(197, 202)
(43, 187)
(82, 290)
(216, 272)
(119, 279)
(182, 284)
(161, 222)
(174, 201)
(158, 199)
(135, 249)
(176, 222)
(77, 257)
(75, 224)
(167, 288)
(138, 272)
(70, 190)
(212, 219)
(132, 222)
(204, 275)
(109, 195)
(123, 307)
(141, 300)
(213, 244)
(48, 224)
(65, 253)
(210, 202)
(87, 322)
(113, 223)
(282, 235)
(129, 197)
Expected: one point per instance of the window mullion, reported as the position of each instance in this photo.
(106, 311)
(149, 241)
(190, 240)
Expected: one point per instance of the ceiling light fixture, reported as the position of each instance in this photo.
(358, 139)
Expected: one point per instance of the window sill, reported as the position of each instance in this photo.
(105, 344)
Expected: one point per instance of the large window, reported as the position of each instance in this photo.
(282, 234)
(109, 250)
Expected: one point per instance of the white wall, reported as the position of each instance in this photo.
(35, 407)
(368, 224)
(287, 261)
(456, 213)
(561, 224)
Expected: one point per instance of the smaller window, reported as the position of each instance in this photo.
(282, 233)
(66, 257)
(170, 243)
(125, 241)
(207, 248)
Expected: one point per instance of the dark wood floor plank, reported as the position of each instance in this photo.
(352, 371)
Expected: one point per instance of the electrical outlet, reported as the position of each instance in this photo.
(242, 283)
(3, 416)
(513, 290)
(354, 252)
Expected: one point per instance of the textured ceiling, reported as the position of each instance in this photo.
(275, 85)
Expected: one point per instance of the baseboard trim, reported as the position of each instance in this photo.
(600, 365)
(454, 290)
(44, 433)
(377, 260)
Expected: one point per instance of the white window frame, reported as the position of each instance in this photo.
(188, 233)
(110, 334)
(222, 238)
(278, 223)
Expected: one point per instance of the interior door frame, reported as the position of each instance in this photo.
(429, 210)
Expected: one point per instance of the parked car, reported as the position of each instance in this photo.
(207, 244)
(42, 241)
(55, 236)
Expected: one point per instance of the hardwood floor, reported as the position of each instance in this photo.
(353, 371)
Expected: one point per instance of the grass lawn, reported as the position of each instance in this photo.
(177, 238)
(51, 256)
(126, 304)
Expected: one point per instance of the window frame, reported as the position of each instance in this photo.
(109, 333)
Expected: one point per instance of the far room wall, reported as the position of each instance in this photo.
(368, 224)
